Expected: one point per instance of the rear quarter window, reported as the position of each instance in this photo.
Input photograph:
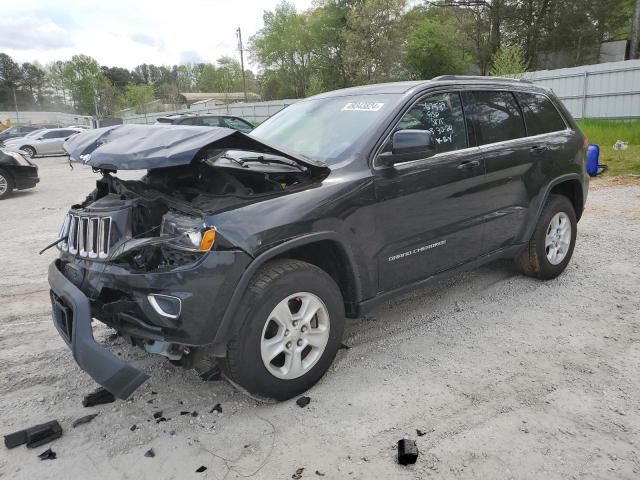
(540, 114)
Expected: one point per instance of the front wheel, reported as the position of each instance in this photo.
(548, 252)
(293, 320)
(6, 184)
(29, 151)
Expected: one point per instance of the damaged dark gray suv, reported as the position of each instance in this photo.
(248, 251)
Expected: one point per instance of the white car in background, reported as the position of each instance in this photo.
(42, 142)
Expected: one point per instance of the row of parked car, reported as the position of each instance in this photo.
(19, 144)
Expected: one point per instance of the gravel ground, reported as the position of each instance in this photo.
(508, 377)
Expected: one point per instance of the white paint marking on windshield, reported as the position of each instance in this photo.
(362, 106)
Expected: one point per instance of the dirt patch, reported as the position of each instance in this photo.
(506, 376)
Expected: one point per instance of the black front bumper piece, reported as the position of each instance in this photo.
(72, 318)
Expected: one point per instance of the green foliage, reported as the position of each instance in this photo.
(139, 97)
(509, 62)
(430, 51)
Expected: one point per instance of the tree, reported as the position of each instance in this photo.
(83, 76)
(34, 80)
(10, 78)
(430, 51)
(139, 97)
(509, 62)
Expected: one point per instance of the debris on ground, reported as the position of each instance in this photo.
(216, 408)
(48, 454)
(319, 473)
(157, 414)
(98, 397)
(161, 419)
(133, 427)
(303, 401)
(150, 453)
(298, 474)
(34, 436)
(407, 452)
(420, 433)
(201, 469)
(344, 347)
(85, 419)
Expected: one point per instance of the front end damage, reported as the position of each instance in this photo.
(144, 257)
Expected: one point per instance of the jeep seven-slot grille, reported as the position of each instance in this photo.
(86, 236)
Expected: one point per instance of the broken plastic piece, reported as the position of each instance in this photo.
(407, 452)
(85, 419)
(161, 419)
(100, 396)
(216, 408)
(201, 469)
(420, 433)
(157, 414)
(48, 454)
(133, 427)
(34, 436)
(303, 401)
(319, 473)
(150, 453)
(298, 474)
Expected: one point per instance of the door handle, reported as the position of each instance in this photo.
(468, 164)
(539, 149)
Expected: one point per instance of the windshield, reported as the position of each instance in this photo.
(35, 132)
(325, 128)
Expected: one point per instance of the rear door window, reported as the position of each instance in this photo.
(211, 121)
(497, 117)
(540, 114)
(441, 114)
(238, 124)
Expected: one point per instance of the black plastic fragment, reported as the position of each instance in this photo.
(34, 436)
(133, 427)
(48, 454)
(100, 396)
(157, 414)
(150, 453)
(85, 419)
(303, 401)
(216, 408)
(420, 433)
(407, 452)
(319, 473)
(161, 419)
(201, 469)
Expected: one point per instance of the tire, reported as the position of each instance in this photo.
(29, 150)
(6, 184)
(537, 259)
(290, 285)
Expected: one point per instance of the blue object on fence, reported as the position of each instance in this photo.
(593, 157)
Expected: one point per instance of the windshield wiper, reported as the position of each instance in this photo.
(266, 161)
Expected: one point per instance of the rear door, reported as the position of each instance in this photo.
(509, 160)
(430, 210)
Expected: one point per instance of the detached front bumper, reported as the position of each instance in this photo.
(72, 318)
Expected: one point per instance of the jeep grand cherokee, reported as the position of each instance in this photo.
(250, 250)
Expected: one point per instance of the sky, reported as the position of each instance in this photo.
(127, 33)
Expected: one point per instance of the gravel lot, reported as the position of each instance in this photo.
(508, 376)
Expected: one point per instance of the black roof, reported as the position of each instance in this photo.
(405, 87)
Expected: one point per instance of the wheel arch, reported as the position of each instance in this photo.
(35, 152)
(572, 189)
(322, 249)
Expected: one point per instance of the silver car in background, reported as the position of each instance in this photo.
(43, 142)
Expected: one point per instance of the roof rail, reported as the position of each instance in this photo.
(477, 77)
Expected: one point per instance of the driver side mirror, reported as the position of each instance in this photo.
(407, 145)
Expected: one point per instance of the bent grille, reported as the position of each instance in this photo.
(86, 236)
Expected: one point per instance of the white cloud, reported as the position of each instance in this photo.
(127, 33)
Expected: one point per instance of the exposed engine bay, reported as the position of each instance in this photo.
(158, 222)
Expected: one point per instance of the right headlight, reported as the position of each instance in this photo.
(187, 233)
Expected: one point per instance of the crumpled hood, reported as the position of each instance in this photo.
(141, 147)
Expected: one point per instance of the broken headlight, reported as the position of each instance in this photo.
(187, 233)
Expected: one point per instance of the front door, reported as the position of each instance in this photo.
(430, 211)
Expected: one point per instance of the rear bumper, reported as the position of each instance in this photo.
(72, 318)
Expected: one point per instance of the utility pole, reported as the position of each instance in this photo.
(244, 80)
(635, 32)
(15, 104)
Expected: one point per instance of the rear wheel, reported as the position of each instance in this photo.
(548, 252)
(6, 184)
(293, 319)
(30, 151)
